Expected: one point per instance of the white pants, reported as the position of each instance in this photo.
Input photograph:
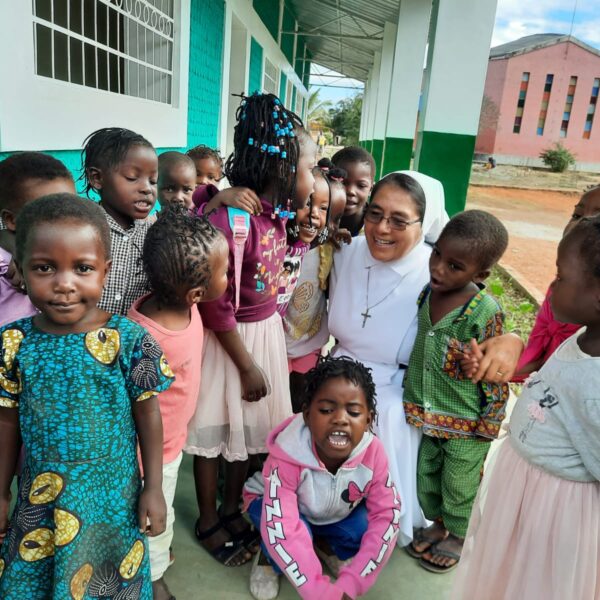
(159, 545)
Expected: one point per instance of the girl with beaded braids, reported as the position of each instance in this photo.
(186, 260)
(244, 392)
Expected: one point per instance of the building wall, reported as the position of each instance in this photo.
(563, 61)
(256, 67)
(492, 94)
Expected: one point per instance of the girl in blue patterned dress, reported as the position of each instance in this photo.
(78, 386)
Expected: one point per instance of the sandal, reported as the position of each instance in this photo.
(248, 537)
(435, 551)
(225, 553)
(420, 536)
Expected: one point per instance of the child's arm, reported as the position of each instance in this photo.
(10, 442)
(287, 538)
(377, 544)
(254, 381)
(237, 197)
(152, 507)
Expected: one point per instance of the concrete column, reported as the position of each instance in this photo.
(383, 94)
(373, 102)
(459, 47)
(364, 115)
(406, 80)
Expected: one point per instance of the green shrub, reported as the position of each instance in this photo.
(559, 158)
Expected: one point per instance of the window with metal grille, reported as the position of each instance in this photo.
(564, 126)
(288, 95)
(120, 46)
(544, 106)
(270, 78)
(591, 111)
(521, 103)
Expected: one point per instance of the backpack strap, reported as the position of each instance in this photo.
(239, 221)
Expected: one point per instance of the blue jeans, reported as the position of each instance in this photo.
(344, 537)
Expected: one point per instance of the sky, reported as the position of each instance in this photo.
(514, 19)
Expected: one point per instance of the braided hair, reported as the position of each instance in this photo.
(201, 151)
(176, 252)
(266, 147)
(105, 149)
(330, 367)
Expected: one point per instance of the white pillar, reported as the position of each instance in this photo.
(373, 85)
(364, 115)
(406, 80)
(459, 46)
(383, 93)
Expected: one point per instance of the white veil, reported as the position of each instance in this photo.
(435, 209)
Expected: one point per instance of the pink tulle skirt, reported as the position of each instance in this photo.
(532, 536)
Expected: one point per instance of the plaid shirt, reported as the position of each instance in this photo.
(437, 396)
(127, 279)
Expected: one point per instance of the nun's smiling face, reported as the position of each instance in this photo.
(399, 228)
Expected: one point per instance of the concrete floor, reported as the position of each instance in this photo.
(195, 575)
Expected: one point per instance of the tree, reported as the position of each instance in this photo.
(317, 113)
(558, 158)
(345, 119)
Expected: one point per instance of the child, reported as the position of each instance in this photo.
(326, 476)
(360, 176)
(23, 177)
(305, 320)
(535, 528)
(176, 179)
(548, 333)
(186, 261)
(122, 168)
(457, 417)
(209, 165)
(77, 385)
(244, 393)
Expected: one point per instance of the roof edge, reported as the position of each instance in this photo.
(560, 39)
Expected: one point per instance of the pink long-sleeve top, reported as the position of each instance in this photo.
(294, 481)
(264, 253)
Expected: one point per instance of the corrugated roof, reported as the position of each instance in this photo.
(344, 35)
(535, 42)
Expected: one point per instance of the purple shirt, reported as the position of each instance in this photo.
(14, 305)
(263, 260)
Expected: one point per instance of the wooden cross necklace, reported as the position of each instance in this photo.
(366, 315)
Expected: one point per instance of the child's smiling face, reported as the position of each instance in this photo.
(128, 190)
(208, 170)
(313, 217)
(338, 417)
(358, 184)
(65, 267)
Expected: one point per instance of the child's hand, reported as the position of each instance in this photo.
(254, 383)
(469, 363)
(4, 506)
(339, 237)
(240, 197)
(15, 278)
(152, 512)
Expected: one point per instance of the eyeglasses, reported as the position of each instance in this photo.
(376, 216)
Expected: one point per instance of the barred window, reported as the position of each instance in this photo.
(120, 46)
(270, 78)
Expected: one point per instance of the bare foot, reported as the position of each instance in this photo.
(160, 590)
(429, 536)
(438, 555)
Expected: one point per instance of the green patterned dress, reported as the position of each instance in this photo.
(74, 531)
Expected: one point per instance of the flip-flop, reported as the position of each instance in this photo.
(435, 551)
(420, 536)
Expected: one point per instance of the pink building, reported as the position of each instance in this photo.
(541, 89)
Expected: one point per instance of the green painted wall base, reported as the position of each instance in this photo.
(447, 157)
(377, 152)
(397, 153)
(368, 145)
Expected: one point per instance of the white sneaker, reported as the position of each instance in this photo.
(264, 582)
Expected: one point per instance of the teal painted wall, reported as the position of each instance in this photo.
(204, 94)
(268, 11)
(287, 40)
(282, 87)
(299, 66)
(292, 104)
(256, 67)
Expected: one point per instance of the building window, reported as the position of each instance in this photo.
(120, 46)
(591, 111)
(564, 126)
(544, 106)
(270, 78)
(521, 103)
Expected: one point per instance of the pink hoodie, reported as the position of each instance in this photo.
(295, 481)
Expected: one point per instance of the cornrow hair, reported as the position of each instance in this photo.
(56, 208)
(201, 151)
(176, 252)
(266, 148)
(19, 167)
(105, 149)
(330, 367)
